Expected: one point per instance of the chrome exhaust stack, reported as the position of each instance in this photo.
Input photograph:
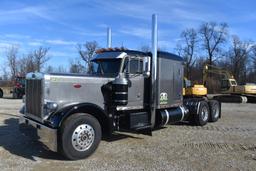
(109, 38)
(153, 70)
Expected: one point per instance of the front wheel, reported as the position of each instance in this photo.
(80, 136)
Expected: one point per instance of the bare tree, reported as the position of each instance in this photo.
(23, 65)
(86, 52)
(49, 69)
(239, 55)
(40, 57)
(27, 64)
(76, 66)
(30, 63)
(12, 60)
(33, 61)
(188, 48)
(61, 69)
(253, 59)
(213, 35)
(145, 48)
(5, 73)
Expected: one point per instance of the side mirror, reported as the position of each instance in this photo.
(188, 83)
(146, 67)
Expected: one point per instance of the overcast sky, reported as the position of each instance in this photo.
(61, 24)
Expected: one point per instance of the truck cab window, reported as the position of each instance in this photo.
(133, 66)
(233, 83)
(225, 84)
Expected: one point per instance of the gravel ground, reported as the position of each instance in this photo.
(228, 144)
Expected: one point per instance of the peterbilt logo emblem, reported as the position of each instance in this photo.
(163, 98)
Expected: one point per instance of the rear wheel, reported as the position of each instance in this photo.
(80, 136)
(19, 95)
(1, 94)
(203, 114)
(14, 95)
(214, 106)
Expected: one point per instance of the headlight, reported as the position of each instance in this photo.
(51, 106)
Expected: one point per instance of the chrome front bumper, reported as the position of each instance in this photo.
(42, 133)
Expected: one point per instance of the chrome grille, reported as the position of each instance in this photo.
(34, 99)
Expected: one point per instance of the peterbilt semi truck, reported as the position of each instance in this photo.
(129, 91)
(70, 112)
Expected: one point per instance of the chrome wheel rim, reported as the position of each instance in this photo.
(205, 113)
(83, 137)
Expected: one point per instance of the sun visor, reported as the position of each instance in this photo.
(109, 55)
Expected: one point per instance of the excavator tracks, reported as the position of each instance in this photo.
(251, 98)
(231, 98)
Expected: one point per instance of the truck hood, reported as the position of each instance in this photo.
(74, 88)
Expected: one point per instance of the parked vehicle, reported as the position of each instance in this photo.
(129, 91)
(230, 90)
(19, 87)
(16, 88)
(196, 90)
(5, 87)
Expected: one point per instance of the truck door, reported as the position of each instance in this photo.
(133, 67)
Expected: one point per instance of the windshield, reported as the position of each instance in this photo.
(233, 83)
(187, 83)
(107, 67)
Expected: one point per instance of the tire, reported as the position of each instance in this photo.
(1, 94)
(19, 96)
(202, 117)
(15, 95)
(80, 135)
(214, 106)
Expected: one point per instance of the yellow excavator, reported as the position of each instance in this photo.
(230, 90)
(196, 90)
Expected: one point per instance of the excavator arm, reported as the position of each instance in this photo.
(231, 92)
(215, 70)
